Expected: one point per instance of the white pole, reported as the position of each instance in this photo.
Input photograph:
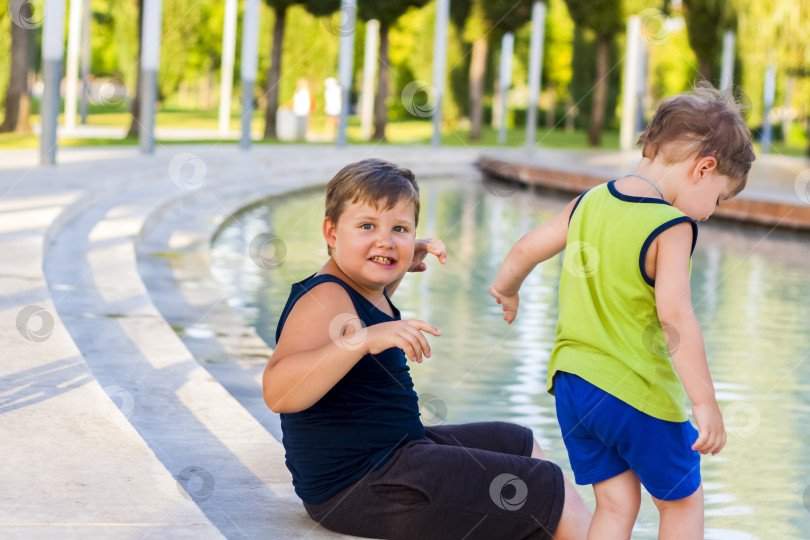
(53, 48)
(369, 72)
(250, 59)
(348, 15)
(74, 39)
(727, 73)
(150, 61)
(768, 96)
(630, 82)
(439, 65)
(85, 61)
(507, 48)
(535, 69)
(228, 53)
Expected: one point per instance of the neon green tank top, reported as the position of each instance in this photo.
(608, 330)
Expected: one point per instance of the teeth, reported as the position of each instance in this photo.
(382, 260)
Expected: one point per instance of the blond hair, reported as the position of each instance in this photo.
(700, 123)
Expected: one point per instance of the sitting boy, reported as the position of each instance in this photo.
(361, 460)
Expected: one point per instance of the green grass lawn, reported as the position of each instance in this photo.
(397, 132)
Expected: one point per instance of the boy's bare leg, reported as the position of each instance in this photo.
(617, 502)
(576, 517)
(681, 519)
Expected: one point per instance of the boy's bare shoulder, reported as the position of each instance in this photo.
(324, 298)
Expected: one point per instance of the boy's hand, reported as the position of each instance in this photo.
(422, 247)
(406, 335)
(509, 303)
(712, 436)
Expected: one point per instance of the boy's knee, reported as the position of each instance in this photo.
(693, 501)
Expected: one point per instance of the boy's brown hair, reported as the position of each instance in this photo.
(703, 122)
(375, 182)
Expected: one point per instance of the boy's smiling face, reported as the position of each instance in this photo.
(373, 246)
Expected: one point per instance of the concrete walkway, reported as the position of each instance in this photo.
(130, 402)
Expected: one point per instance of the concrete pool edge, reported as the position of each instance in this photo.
(756, 205)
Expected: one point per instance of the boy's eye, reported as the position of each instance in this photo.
(367, 226)
(400, 228)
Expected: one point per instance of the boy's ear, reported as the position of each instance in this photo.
(704, 166)
(329, 232)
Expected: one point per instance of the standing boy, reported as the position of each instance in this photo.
(628, 342)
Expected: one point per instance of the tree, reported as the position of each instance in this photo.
(605, 19)
(274, 72)
(135, 104)
(17, 103)
(387, 13)
(706, 21)
(488, 21)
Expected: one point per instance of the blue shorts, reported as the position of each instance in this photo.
(605, 436)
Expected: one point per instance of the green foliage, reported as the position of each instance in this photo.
(582, 83)
(321, 8)
(504, 16)
(386, 12)
(5, 55)
(605, 17)
(706, 21)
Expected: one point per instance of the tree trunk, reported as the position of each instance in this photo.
(274, 74)
(552, 105)
(135, 104)
(478, 67)
(600, 90)
(704, 65)
(18, 107)
(383, 84)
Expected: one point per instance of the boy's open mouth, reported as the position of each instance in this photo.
(383, 260)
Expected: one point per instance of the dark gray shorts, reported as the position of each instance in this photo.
(465, 481)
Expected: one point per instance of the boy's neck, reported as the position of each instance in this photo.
(666, 177)
(376, 297)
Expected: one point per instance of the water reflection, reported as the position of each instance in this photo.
(751, 293)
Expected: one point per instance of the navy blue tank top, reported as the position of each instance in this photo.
(358, 425)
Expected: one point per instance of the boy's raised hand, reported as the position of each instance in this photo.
(712, 433)
(421, 248)
(406, 335)
(509, 303)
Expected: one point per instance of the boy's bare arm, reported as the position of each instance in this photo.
(322, 340)
(536, 246)
(683, 334)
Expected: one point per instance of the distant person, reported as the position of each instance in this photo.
(303, 105)
(360, 458)
(628, 342)
(332, 99)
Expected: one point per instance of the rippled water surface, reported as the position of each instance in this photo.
(750, 289)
